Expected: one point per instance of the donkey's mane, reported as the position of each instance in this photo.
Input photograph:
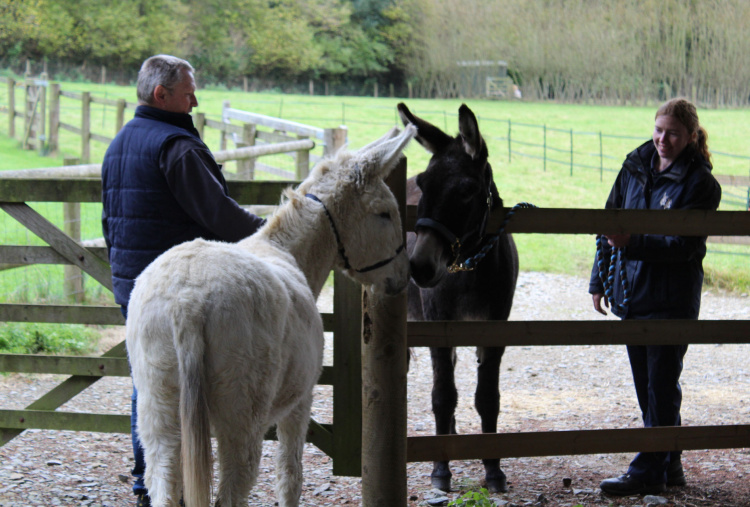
(323, 179)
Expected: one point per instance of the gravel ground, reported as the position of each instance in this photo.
(543, 388)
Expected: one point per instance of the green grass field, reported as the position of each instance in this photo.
(602, 136)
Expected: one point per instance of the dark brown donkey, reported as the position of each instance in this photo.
(454, 197)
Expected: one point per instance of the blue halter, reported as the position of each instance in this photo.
(607, 276)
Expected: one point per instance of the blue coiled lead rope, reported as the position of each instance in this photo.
(607, 276)
(471, 263)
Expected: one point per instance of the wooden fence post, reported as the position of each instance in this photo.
(85, 127)
(347, 372)
(509, 143)
(200, 123)
(54, 119)
(302, 159)
(544, 157)
(571, 152)
(11, 107)
(30, 105)
(334, 139)
(601, 157)
(41, 118)
(73, 276)
(223, 134)
(34, 114)
(246, 167)
(120, 115)
(384, 356)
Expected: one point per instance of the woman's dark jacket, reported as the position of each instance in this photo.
(161, 187)
(665, 273)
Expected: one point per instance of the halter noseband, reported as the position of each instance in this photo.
(340, 245)
(454, 241)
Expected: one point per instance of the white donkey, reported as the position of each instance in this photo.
(228, 337)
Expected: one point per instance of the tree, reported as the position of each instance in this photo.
(113, 33)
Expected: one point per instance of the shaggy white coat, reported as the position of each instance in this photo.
(227, 337)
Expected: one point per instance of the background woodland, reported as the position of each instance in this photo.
(589, 51)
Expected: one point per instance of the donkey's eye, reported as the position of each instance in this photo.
(385, 215)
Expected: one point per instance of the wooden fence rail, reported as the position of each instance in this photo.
(344, 435)
(564, 443)
(389, 461)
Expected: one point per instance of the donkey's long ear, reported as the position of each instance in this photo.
(472, 140)
(428, 135)
(389, 135)
(379, 158)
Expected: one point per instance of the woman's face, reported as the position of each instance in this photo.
(670, 138)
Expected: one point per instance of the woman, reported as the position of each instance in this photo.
(664, 276)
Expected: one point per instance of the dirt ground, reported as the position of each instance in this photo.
(543, 388)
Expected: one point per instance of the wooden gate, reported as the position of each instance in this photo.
(340, 440)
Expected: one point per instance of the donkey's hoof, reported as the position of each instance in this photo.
(497, 484)
(442, 483)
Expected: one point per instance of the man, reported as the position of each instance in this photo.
(161, 187)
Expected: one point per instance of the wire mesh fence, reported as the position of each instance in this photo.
(574, 153)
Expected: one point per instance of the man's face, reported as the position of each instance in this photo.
(181, 97)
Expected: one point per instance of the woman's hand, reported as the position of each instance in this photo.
(598, 303)
(618, 240)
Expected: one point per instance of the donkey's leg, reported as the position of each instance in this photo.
(240, 446)
(291, 431)
(487, 403)
(159, 432)
(444, 402)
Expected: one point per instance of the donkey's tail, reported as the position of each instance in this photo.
(197, 467)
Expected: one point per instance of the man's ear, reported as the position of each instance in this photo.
(160, 94)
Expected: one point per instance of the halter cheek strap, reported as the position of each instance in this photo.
(340, 245)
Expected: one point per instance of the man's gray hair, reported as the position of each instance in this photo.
(162, 70)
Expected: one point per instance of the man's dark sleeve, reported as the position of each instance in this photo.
(198, 185)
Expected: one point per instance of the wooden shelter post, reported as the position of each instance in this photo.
(384, 363)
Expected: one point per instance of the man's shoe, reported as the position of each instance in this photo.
(676, 474)
(625, 485)
(143, 500)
